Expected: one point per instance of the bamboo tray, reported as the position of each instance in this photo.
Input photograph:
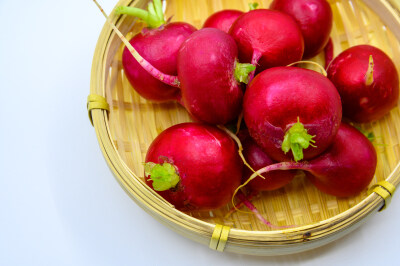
(126, 131)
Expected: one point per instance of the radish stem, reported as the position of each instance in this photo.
(296, 139)
(242, 72)
(151, 19)
(158, 8)
(253, 6)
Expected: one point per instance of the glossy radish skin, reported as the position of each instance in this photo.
(258, 159)
(272, 36)
(206, 161)
(314, 18)
(206, 66)
(277, 97)
(345, 169)
(222, 20)
(159, 47)
(364, 102)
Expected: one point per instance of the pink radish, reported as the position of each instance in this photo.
(345, 169)
(314, 18)
(367, 81)
(210, 76)
(292, 109)
(267, 38)
(222, 20)
(159, 45)
(194, 166)
(258, 159)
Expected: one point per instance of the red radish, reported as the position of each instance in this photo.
(267, 38)
(222, 20)
(207, 66)
(367, 81)
(209, 74)
(258, 159)
(194, 166)
(159, 45)
(343, 170)
(314, 18)
(292, 109)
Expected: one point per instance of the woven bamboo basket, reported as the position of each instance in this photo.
(127, 129)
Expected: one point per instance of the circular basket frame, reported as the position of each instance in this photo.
(239, 241)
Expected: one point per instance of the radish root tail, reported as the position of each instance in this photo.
(167, 79)
(323, 71)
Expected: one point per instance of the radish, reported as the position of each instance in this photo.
(158, 44)
(194, 166)
(210, 76)
(258, 159)
(222, 20)
(267, 38)
(367, 81)
(292, 109)
(345, 169)
(314, 18)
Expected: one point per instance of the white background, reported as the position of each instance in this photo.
(59, 203)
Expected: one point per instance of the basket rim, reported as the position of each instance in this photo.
(192, 227)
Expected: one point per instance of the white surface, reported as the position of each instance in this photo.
(59, 202)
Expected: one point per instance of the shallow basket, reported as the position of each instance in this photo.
(126, 131)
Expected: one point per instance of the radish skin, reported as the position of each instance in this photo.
(314, 18)
(207, 61)
(160, 47)
(367, 81)
(280, 98)
(222, 20)
(273, 34)
(205, 160)
(345, 169)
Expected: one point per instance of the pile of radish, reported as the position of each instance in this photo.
(238, 63)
